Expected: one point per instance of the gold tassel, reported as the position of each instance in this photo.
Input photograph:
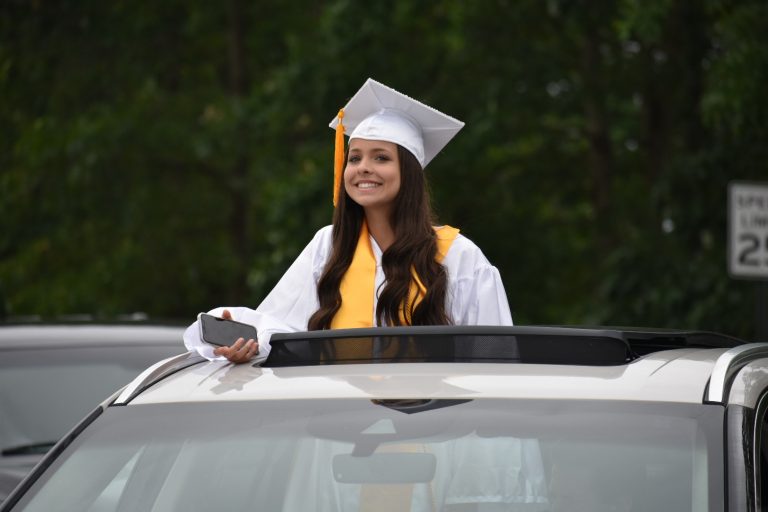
(338, 158)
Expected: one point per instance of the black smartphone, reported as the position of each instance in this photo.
(223, 333)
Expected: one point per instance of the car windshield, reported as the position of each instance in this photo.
(45, 392)
(354, 455)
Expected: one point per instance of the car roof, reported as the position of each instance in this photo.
(663, 374)
(670, 376)
(39, 336)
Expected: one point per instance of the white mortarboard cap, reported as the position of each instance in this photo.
(378, 112)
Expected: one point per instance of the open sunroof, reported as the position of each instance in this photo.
(480, 344)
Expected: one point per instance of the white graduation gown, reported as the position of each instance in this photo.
(475, 294)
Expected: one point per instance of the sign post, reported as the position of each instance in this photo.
(748, 243)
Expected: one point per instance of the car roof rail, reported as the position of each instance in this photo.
(481, 344)
(647, 341)
(156, 373)
(727, 366)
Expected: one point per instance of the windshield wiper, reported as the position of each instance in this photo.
(29, 448)
(410, 406)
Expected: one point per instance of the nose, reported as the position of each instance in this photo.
(364, 166)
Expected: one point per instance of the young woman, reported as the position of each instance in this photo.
(382, 262)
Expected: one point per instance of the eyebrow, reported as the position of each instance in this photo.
(372, 149)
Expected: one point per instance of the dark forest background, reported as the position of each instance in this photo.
(167, 157)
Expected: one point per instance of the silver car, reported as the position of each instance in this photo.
(427, 419)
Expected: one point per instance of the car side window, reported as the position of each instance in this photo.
(761, 453)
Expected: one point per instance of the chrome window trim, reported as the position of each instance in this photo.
(727, 366)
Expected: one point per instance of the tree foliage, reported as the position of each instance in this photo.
(167, 157)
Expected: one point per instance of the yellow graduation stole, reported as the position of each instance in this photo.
(357, 285)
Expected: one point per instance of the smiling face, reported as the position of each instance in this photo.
(372, 174)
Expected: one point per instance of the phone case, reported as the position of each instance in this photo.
(223, 333)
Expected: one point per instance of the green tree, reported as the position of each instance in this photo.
(170, 157)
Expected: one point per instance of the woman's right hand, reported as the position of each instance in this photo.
(242, 351)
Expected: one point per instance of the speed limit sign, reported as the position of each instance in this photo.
(748, 229)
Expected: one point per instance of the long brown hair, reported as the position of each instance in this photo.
(415, 247)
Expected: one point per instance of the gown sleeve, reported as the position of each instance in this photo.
(287, 308)
(486, 300)
(476, 292)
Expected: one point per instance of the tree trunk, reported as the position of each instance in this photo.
(601, 157)
(239, 221)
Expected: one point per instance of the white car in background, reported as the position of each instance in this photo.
(51, 376)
